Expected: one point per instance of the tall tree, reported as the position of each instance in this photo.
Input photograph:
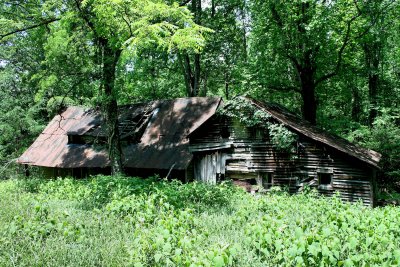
(302, 44)
(21, 55)
(219, 69)
(225, 56)
(377, 24)
(192, 68)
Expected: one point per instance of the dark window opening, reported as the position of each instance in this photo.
(254, 133)
(86, 140)
(75, 139)
(257, 133)
(252, 181)
(225, 132)
(324, 178)
(267, 180)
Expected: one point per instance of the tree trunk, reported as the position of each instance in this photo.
(306, 69)
(203, 91)
(244, 31)
(110, 60)
(372, 58)
(191, 73)
(187, 74)
(196, 6)
(306, 74)
(196, 78)
(373, 95)
(226, 85)
(309, 101)
(355, 104)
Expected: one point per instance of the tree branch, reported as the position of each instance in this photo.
(184, 3)
(295, 61)
(341, 50)
(374, 18)
(85, 18)
(284, 88)
(127, 22)
(44, 22)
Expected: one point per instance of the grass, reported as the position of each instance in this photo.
(106, 221)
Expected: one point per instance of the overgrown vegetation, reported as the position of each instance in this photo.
(242, 110)
(384, 137)
(119, 221)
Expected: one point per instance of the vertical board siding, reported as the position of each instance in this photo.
(247, 152)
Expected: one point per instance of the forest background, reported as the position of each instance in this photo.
(335, 62)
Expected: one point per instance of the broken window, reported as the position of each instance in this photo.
(256, 133)
(224, 128)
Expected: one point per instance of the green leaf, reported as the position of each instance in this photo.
(157, 257)
(218, 261)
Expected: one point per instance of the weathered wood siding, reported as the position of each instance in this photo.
(248, 154)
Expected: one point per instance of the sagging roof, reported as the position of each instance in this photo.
(162, 143)
(303, 127)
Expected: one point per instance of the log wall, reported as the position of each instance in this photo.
(248, 154)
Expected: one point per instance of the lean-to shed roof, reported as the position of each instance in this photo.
(303, 127)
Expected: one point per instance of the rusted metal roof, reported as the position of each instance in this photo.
(51, 148)
(303, 127)
(163, 144)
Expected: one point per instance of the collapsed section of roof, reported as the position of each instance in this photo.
(155, 135)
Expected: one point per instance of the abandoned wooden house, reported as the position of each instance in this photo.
(266, 145)
(255, 144)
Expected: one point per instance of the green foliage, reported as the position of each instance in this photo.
(384, 136)
(42, 224)
(326, 234)
(285, 33)
(57, 103)
(101, 190)
(152, 75)
(138, 24)
(125, 221)
(20, 120)
(240, 109)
